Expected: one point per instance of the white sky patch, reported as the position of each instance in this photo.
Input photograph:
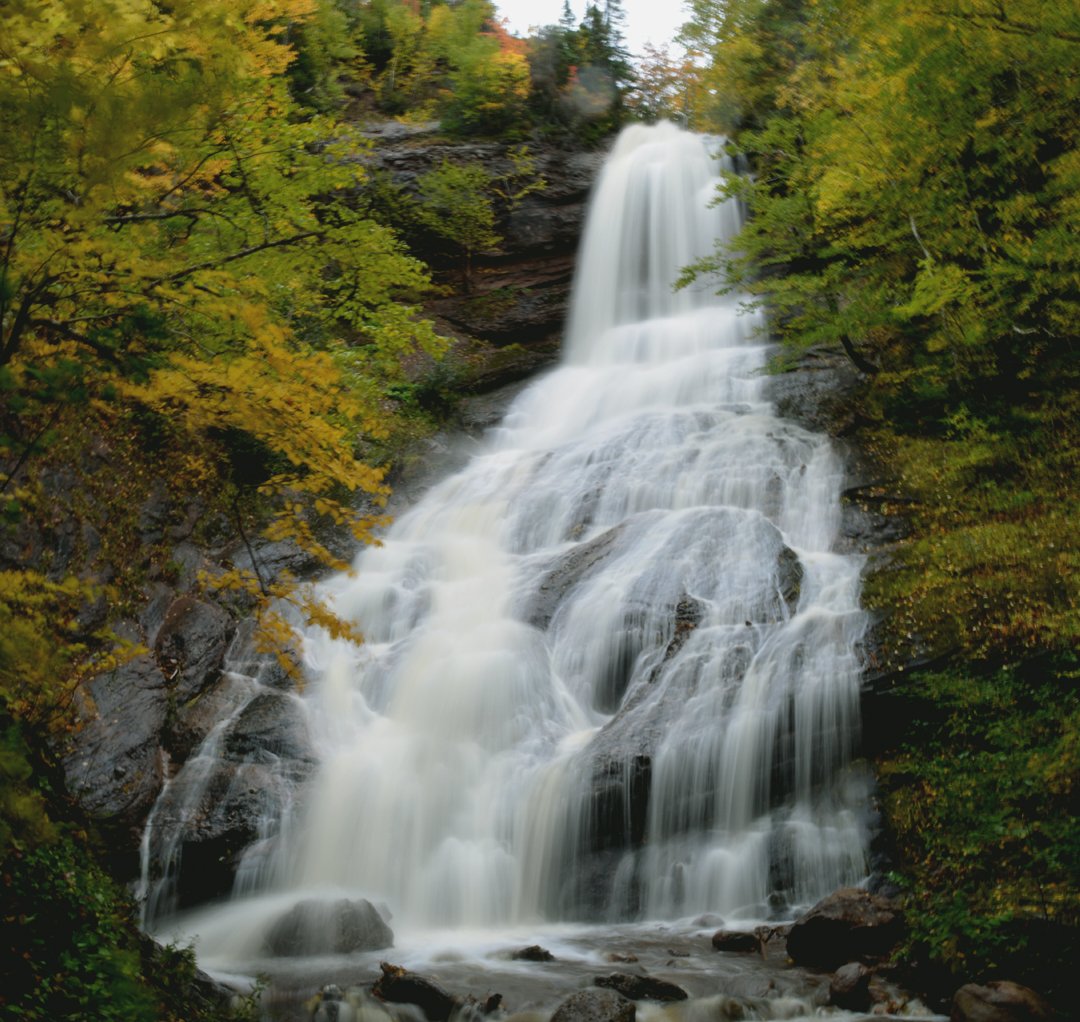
(647, 21)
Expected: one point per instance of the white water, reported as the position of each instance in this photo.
(605, 592)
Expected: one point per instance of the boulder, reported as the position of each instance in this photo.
(595, 1005)
(849, 925)
(850, 987)
(736, 941)
(191, 645)
(315, 927)
(272, 727)
(208, 817)
(112, 764)
(533, 953)
(400, 986)
(999, 1001)
(642, 988)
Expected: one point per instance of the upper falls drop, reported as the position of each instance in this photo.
(610, 666)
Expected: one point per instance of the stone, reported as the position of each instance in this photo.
(191, 645)
(400, 986)
(595, 1005)
(209, 815)
(315, 927)
(272, 727)
(999, 1001)
(112, 763)
(850, 987)
(642, 988)
(533, 953)
(736, 942)
(849, 925)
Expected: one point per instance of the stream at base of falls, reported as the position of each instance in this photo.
(610, 679)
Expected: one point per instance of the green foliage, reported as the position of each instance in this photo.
(456, 204)
(69, 947)
(992, 570)
(981, 799)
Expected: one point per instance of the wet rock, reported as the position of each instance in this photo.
(191, 722)
(596, 1005)
(850, 987)
(622, 957)
(817, 391)
(642, 988)
(315, 927)
(849, 925)
(400, 986)
(191, 645)
(208, 816)
(272, 727)
(568, 571)
(999, 1001)
(736, 941)
(112, 764)
(533, 953)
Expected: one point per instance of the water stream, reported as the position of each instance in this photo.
(610, 674)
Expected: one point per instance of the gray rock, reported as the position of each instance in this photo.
(849, 925)
(850, 987)
(567, 571)
(596, 1005)
(316, 927)
(208, 816)
(191, 645)
(642, 988)
(736, 941)
(999, 1001)
(399, 986)
(532, 953)
(272, 727)
(112, 763)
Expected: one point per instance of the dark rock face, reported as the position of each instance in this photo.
(734, 941)
(642, 988)
(272, 727)
(849, 925)
(850, 987)
(400, 986)
(337, 928)
(113, 766)
(533, 953)
(595, 1005)
(999, 1001)
(191, 645)
(213, 810)
(519, 293)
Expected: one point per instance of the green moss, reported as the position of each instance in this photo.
(981, 798)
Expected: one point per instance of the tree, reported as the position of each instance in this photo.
(456, 204)
(175, 236)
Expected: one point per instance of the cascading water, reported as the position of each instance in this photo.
(610, 666)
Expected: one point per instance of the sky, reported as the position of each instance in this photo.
(654, 21)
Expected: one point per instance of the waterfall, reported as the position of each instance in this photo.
(609, 669)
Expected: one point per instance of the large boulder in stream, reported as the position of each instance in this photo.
(596, 1005)
(315, 927)
(850, 925)
(399, 986)
(999, 1001)
(642, 988)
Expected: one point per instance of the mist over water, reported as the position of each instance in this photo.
(609, 672)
